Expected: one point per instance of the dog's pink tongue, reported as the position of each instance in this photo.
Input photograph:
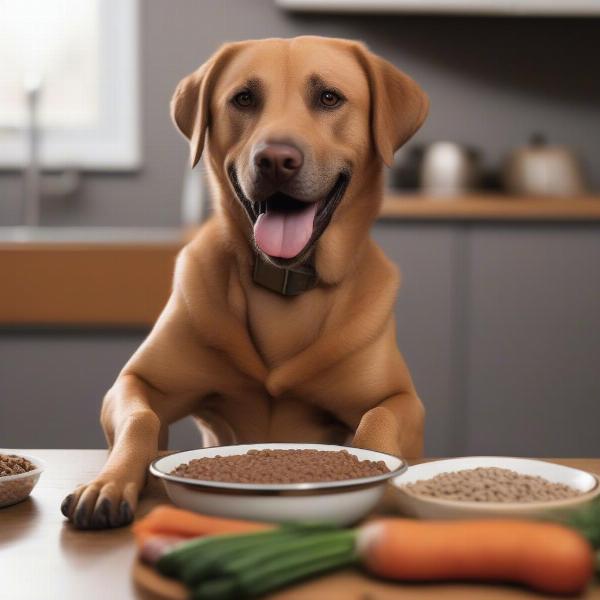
(284, 234)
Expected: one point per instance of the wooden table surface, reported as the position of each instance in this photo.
(43, 558)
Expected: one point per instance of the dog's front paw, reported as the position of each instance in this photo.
(101, 504)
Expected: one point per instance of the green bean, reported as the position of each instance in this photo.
(222, 588)
(171, 563)
(207, 563)
(301, 560)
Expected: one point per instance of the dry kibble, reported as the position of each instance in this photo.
(11, 464)
(15, 490)
(281, 466)
(491, 484)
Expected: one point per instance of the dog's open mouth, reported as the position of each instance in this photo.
(286, 228)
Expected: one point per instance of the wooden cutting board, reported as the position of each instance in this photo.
(157, 586)
(348, 584)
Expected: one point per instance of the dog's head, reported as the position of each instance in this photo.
(297, 130)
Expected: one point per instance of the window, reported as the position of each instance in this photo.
(82, 55)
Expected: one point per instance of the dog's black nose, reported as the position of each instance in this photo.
(278, 163)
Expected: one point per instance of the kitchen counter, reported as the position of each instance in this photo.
(121, 277)
(489, 207)
(86, 276)
(42, 557)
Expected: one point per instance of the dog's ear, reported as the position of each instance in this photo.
(398, 105)
(190, 104)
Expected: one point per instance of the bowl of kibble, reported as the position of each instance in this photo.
(18, 476)
(492, 486)
(279, 482)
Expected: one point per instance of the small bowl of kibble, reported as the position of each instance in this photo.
(492, 486)
(18, 476)
(279, 482)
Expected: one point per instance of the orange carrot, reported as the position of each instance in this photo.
(167, 520)
(545, 556)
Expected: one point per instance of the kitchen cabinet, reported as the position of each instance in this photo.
(500, 325)
(426, 320)
(533, 355)
(498, 317)
(52, 381)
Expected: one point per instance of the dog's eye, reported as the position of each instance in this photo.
(330, 99)
(243, 99)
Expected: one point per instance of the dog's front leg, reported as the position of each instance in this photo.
(133, 430)
(394, 426)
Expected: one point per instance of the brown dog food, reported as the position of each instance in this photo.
(11, 464)
(15, 490)
(490, 484)
(281, 466)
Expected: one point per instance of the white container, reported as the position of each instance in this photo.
(448, 170)
(15, 488)
(541, 169)
(339, 502)
(425, 507)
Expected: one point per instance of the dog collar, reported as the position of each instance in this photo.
(284, 281)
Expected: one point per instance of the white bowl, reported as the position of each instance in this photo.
(435, 508)
(15, 488)
(339, 502)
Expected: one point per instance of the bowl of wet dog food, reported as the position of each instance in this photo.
(492, 486)
(18, 476)
(279, 482)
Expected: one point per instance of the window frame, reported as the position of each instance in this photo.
(113, 144)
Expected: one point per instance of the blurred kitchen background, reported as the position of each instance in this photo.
(493, 211)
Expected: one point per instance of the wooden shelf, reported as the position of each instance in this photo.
(519, 8)
(483, 207)
(85, 284)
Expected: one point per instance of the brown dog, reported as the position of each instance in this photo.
(280, 324)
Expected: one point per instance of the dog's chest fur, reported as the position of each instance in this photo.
(280, 326)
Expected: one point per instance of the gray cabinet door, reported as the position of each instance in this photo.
(533, 351)
(52, 384)
(427, 325)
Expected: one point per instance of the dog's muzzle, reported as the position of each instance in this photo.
(285, 228)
